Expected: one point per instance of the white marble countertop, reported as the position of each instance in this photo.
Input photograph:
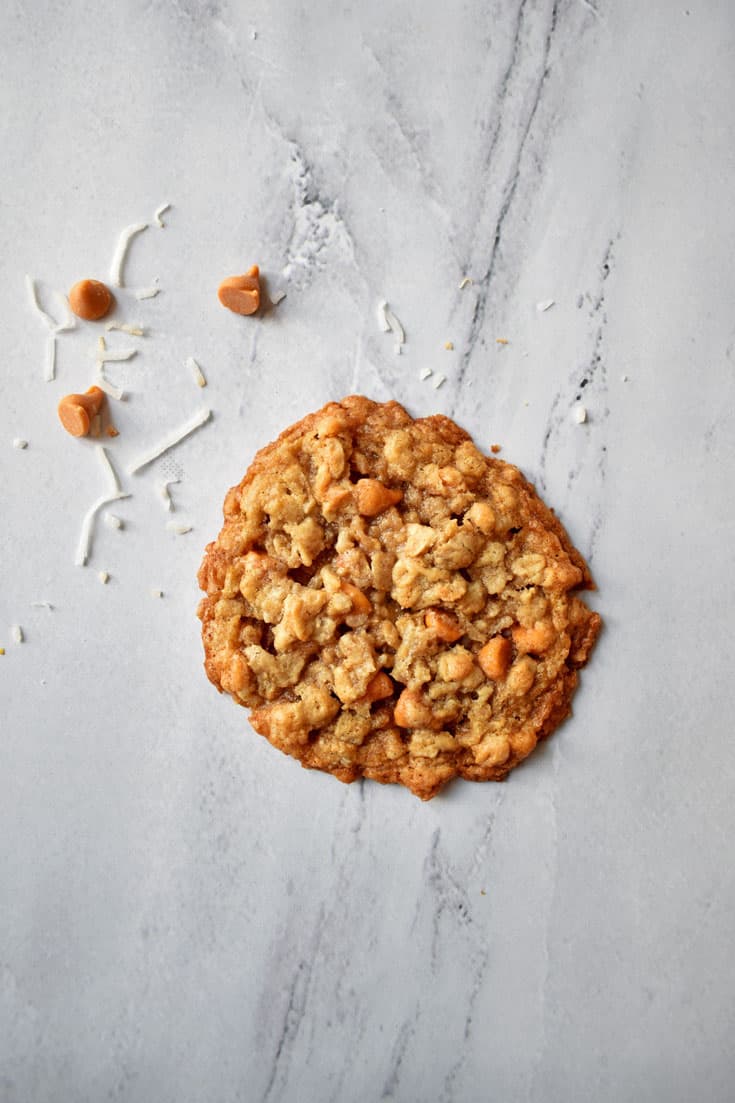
(185, 914)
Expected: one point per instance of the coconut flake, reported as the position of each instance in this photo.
(85, 536)
(121, 252)
(464, 281)
(397, 329)
(32, 289)
(439, 381)
(580, 414)
(17, 633)
(146, 292)
(104, 355)
(113, 521)
(278, 298)
(124, 327)
(166, 497)
(196, 371)
(108, 387)
(179, 529)
(425, 373)
(156, 593)
(172, 439)
(42, 605)
(545, 304)
(104, 577)
(19, 443)
(383, 316)
(158, 212)
(49, 364)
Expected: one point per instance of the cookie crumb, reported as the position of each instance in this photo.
(495, 448)
(449, 345)
(580, 414)
(18, 443)
(502, 341)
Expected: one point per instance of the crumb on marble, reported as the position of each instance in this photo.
(502, 341)
(495, 448)
(449, 345)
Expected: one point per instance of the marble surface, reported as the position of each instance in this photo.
(185, 914)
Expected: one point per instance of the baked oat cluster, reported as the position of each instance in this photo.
(391, 603)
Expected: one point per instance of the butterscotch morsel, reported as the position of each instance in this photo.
(241, 294)
(90, 299)
(77, 410)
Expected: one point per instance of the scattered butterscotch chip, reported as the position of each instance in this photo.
(112, 431)
(502, 341)
(449, 345)
(77, 411)
(495, 448)
(390, 603)
(2, 650)
(90, 299)
(241, 294)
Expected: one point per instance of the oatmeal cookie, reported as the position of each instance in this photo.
(390, 603)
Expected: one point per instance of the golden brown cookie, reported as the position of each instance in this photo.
(393, 604)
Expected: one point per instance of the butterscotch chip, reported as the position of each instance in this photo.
(390, 603)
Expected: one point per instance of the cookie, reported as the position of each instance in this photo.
(390, 603)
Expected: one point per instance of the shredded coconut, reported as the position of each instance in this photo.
(104, 577)
(624, 378)
(113, 521)
(278, 298)
(49, 366)
(124, 327)
(109, 388)
(163, 491)
(158, 212)
(396, 328)
(438, 381)
(196, 372)
(18, 443)
(580, 414)
(17, 633)
(85, 536)
(104, 355)
(383, 316)
(545, 304)
(33, 295)
(425, 373)
(168, 442)
(146, 292)
(156, 593)
(42, 605)
(179, 529)
(465, 280)
(121, 252)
